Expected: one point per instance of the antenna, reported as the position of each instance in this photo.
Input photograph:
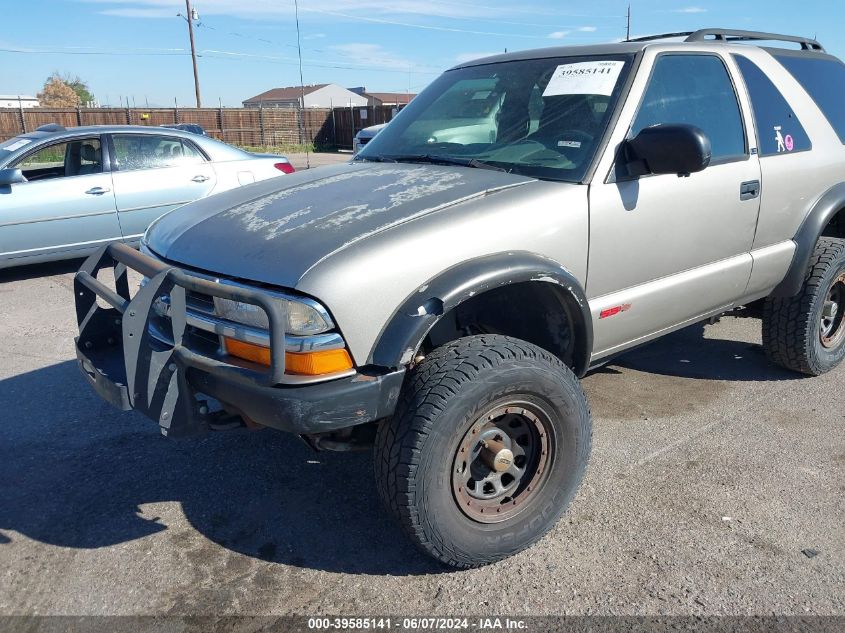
(301, 84)
(628, 29)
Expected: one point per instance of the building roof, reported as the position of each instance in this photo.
(289, 93)
(16, 97)
(391, 97)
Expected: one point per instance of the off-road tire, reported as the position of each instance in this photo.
(791, 325)
(441, 399)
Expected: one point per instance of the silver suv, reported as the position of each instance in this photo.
(438, 299)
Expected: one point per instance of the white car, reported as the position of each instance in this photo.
(65, 192)
(365, 136)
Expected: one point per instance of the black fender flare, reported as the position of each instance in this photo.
(403, 334)
(820, 215)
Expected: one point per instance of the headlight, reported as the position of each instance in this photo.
(301, 318)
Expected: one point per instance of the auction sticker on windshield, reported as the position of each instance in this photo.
(584, 78)
(16, 145)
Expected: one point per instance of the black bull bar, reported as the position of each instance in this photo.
(133, 370)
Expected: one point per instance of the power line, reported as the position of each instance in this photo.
(301, 82)
(427, 27)
(231, 55)
(316, 64)
(532, 10)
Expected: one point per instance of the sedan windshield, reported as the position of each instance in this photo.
(542, 118)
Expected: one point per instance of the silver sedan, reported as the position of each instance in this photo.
(65, 192)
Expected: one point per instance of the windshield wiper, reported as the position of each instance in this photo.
(442, 160)
(372, 159)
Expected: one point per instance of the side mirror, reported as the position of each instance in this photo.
(668, 149)
(11, 177)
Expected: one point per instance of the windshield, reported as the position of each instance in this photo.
(541, 118)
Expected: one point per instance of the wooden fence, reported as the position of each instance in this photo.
(246, 127)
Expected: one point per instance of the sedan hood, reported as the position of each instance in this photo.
(275, 230)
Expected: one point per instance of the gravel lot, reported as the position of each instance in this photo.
(711, 472)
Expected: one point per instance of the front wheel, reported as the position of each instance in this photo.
(806, 333)
(487, 448)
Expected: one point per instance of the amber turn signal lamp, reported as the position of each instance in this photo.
(304, 364)
(317, 363)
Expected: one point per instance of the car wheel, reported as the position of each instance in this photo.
(488, 446)
(806, 333)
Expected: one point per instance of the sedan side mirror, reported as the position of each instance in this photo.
(11, 177)
(667, 149)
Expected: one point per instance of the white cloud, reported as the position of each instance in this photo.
(270, 9)
(371, 54)
(690, 10)
(134, 12)
(558, 35)
(468, 57)
(587, 29)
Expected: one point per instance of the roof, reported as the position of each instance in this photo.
(714, 37)
(393, 97)
(217, 150)
(16, 97)
(289, 93)
(560, 51)
(104, 129)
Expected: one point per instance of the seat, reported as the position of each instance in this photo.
(562, 113)
(93, 156)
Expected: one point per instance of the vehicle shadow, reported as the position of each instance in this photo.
(688, 354)
(76, 473)
(33, 271)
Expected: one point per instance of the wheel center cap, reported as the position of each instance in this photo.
(831, 309)
(496, 455)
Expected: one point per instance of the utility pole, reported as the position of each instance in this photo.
(301, 89)
(628, 29)
(189, 18)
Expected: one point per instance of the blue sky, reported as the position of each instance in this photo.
(138, 49)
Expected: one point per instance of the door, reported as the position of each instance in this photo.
(153, 174)
(65, 209)
(666, 249)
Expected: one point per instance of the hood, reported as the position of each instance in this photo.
(275, 230)
(370, 132)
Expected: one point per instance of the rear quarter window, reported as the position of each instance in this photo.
(778, 129)
(824, 80)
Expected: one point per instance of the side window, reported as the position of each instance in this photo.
(824, 80)
(778, 129)
(79, 157)
(696, 90)
(145, 151)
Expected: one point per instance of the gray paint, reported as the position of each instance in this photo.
(363, 238)
(283, 231)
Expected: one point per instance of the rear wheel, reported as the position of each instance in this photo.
(487, 448)
(806, 333)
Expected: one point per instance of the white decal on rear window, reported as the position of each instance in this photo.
(17, 145)
(584, 78)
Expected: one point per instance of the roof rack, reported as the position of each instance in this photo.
(660, 36)
(731, 35)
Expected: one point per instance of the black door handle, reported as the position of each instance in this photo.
(749, 190)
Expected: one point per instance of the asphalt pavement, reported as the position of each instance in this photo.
(715, 487)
